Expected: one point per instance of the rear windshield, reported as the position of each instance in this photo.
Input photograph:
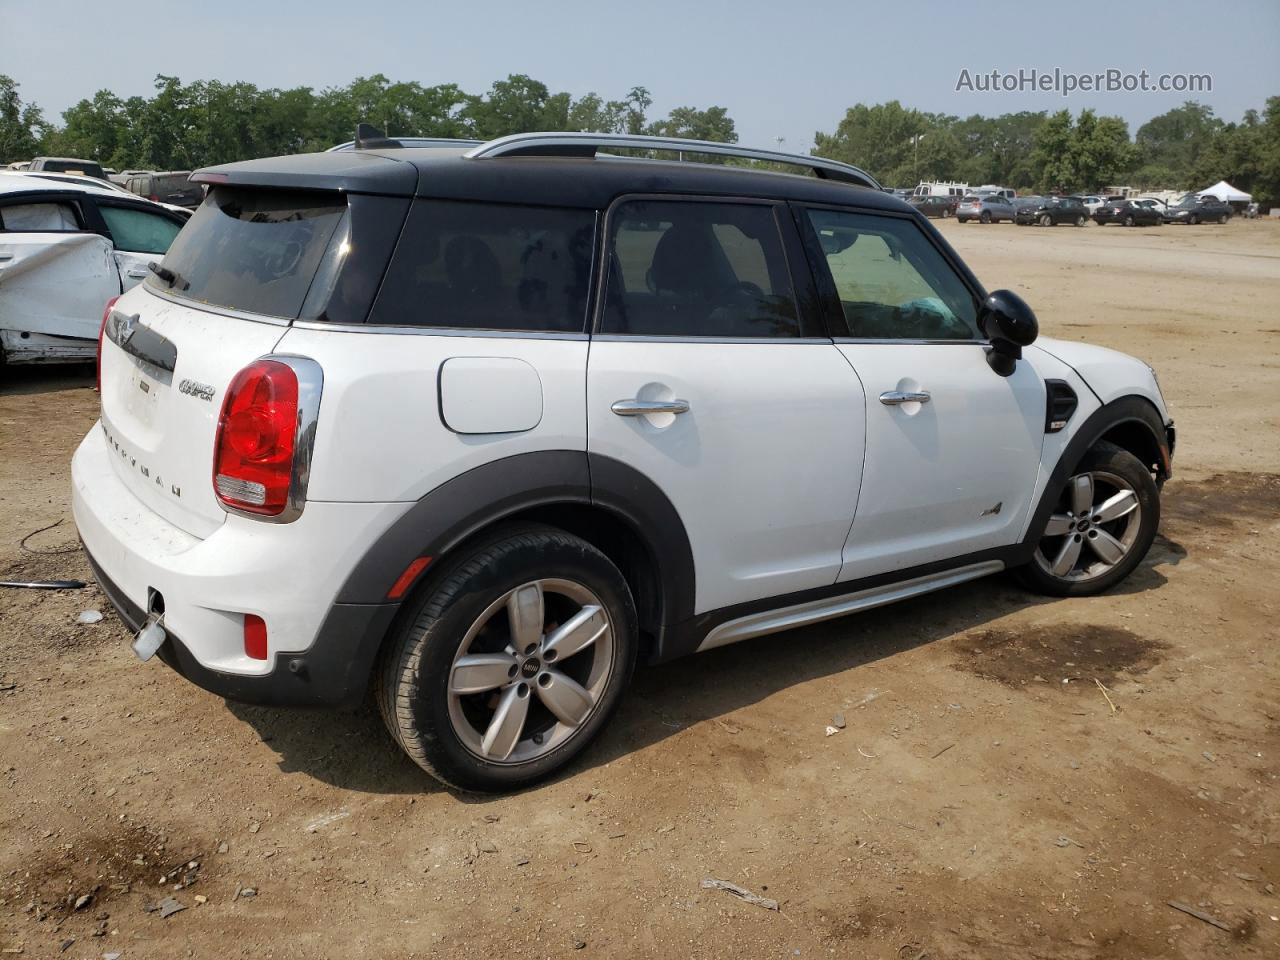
(89, 169)
(254, 250)
(490, 266)
(175, 184)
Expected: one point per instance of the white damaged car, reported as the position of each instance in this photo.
(65, 250)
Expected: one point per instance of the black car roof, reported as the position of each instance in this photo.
(553, 181)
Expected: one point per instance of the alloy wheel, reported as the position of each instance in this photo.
(1094, 529)
(530, 671)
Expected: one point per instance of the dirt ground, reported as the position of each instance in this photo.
(984, 799)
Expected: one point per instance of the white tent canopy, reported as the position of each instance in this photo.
(1225, 192)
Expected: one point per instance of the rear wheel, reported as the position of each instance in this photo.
(513, 662)
(1128, 220)
(1222, 219)
(1081, 221)
(1101, 527)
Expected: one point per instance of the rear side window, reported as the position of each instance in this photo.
(698, 269)
(487, 266)
(39, 218)
(137, 231)
(254, 250)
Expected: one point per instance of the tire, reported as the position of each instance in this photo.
(962, 219)
(985, 217)
(1046, 221)
(1129, 221)
(1127, 536)
(1081, 221)
(466, 609)
(1193, 220)
(1222, 219)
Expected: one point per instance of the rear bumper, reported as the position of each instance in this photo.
(319, 651)
(334, 672)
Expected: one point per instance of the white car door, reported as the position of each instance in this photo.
(705, 376)
(141, 237)
(953, 449)
(55, 277)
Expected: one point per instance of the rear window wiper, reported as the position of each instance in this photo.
(164, 273)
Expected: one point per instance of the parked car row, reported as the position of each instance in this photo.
(161, 186)
(1052, 211)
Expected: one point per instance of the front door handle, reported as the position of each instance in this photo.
(136, 273)
(640, 408)
(892, 398)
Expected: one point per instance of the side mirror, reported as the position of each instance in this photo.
(1010, 324)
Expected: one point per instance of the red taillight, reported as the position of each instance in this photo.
(255, 637)
(155, 197)
(253, 454)
(102, 330)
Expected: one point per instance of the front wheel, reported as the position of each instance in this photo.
(1101, 527)
(1193, 220)
(512, 662)
(1046, 221)
(1222, 219)
(1080, 221)
(985, 218)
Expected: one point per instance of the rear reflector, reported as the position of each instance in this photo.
(405, 580)
(255, 637)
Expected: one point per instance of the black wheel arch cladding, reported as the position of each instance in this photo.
(514, 486)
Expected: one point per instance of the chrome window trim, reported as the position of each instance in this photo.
(650, 338)
(413, 330)
(310, 387)
(915, 340)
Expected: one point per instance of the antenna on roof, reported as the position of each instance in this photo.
(369, 137)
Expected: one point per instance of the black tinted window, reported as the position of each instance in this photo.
(694, 269)
(491, 267)
(253, 250)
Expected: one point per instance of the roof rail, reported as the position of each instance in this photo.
(587, 145)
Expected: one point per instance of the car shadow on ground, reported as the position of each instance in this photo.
(351, 750)
(34, 379)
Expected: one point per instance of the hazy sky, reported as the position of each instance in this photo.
(783, 69)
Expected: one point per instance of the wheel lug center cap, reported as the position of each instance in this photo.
(1083, 525)
(530, 668)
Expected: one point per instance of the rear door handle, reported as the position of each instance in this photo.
(136, 273)
(640, 408)
(891, 398)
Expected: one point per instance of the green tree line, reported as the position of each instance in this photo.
(1185, 148)
(188, 125)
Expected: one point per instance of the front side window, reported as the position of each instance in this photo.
(137, 231)
(893, 284)
(490, 266)
(698, 269)
(38, 218)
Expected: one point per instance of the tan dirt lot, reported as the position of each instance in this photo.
(977, 805)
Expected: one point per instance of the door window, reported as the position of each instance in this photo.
(137, 231)
(892, 283)
(39, 218)
(697, 269)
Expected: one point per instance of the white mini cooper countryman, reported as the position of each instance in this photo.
(480, 427)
